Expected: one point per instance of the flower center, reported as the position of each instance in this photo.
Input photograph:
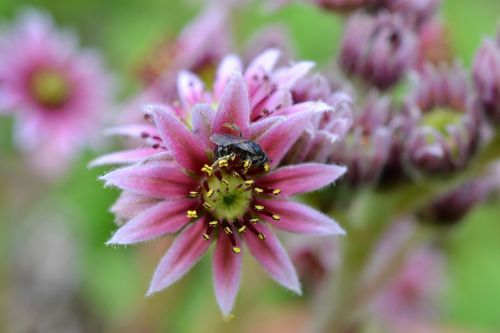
(50, 88)
(229, 197)
(440, 118)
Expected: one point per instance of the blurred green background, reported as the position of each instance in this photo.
(56, 232)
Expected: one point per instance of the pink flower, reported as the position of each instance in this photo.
(209, 192)
(55, 91)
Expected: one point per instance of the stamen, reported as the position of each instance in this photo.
(249, 182)
(213, 223)
(207, 169)
(259, 208)
(193, 194)
(276, 217)
(210, 193)
(206, 236)
(276, 191)
(192, 214)
(236, 249)
(254, 221)
(207, 206)
(228, 230)
(258, 190)
(242, 229)
(261, 236)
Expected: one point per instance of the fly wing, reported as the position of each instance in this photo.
(226, 139)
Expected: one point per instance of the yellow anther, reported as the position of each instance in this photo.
(242, 229)
(254, 221)
(225, 181)
(259, 208)
(206, 236)
(207, 169)
(207, 206)
(213, 223)
(192, 214)
(193, 194)
(276, 217)
(223, 163)
(249, 182)
(261, 236)
(228, 230)
(210, 193)
(266, 167)
(236, 249)
(276, 191)
(258, 190)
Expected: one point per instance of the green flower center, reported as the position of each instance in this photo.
(440, 118)
(50, 88)
(229, 197)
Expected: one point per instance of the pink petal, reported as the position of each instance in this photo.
(259, 127)
(123, 157)
(273, 257)
(227, 274)
(165, 217)
(301, 178)
(299, 218)
(129, 204)
(182, 143)
(264, 62)
(191, 89)
(287, 77)
(159, 180)
(227, 67)
(315, 107)
(134, 131)
(184, 253)
(203, 118)
(234, 107)
(279, 138)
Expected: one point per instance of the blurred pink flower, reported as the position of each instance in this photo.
(205, 192)
(56, 91)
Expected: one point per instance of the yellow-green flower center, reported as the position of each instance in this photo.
(50, 88)
(228, 197)
(440, 118)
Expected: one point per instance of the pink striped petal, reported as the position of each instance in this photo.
(299, 218)
(279, 138)
(227, 274)
(273, 257)
(183, 144)
(203, 118)
(184, 253)
(315, 107)
(264, 62)
(129, 204)
(234, 107)
(302, 178)
(287, 77)
(227, 67)
(134, 131)
(159, 220)
(159, 180)
(123, 157)
(191, 89)
(259, 127)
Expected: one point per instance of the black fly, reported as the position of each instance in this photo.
(246, 150)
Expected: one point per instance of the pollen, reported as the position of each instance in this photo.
(207, 169)
(236, 249)
(266, 167)
(259, 208)
(192, 214)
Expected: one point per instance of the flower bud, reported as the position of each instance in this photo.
(445, 125)
(486, 74)
(378, 49)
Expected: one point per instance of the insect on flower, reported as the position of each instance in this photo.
(230, 147)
